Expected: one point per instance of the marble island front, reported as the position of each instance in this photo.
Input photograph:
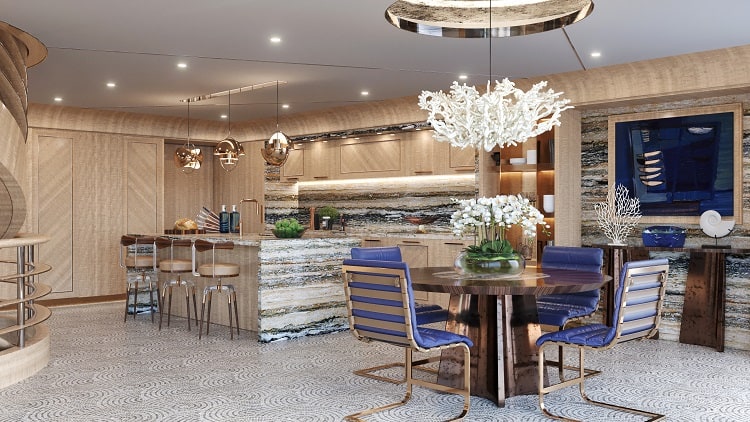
(287, 288)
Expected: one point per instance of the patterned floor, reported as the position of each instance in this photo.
(105, 370)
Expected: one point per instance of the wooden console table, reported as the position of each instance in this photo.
(705, 288)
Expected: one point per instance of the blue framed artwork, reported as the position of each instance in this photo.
(680, 163)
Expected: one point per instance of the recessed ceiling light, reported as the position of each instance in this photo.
(596, 54)
(182, 65)
(58, 99)
(111, 84)
(285, 106)
(223, 116)
(463, 77)
(365, 93)
(275, 40)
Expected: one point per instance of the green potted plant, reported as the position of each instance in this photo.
(328, 215)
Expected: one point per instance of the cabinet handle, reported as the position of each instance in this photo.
(320, 177)
(422, 171)
(373, 240)
(453, 243)
(411, 241)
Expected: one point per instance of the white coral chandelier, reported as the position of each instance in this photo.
(503, 116)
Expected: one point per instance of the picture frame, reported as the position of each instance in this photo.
(679, 163)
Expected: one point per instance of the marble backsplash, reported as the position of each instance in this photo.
(372, 206)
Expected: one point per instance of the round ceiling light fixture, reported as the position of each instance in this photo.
(485, 18)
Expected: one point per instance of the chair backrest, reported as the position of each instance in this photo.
(130, 240)
(380, 302)
(201, 245)
(639, 298)
(379, 253)
(573, 258)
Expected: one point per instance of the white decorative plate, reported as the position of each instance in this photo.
(713, 226)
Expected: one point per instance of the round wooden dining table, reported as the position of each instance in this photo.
(499, 314)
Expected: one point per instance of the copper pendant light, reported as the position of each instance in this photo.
(188, 157)
(229, 150)
(277, 147)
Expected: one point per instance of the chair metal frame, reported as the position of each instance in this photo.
(397, 289)
(169, 285)
(426, 314)
(125, 242)
(202, 246)
(638, 317)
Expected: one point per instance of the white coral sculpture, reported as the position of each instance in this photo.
(618, 215)
(501, 116)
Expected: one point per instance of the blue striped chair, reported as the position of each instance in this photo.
(380, 307)
(427, 313)
(639, 297)
(559, 309)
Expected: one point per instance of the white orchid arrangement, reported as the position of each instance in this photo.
(504, 116)
(489, 218)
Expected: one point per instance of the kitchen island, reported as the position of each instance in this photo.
(287, 288)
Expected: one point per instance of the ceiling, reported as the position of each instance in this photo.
(331, 50)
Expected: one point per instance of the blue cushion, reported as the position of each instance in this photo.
(436, 338)
(430, 317)
(573, 258)
(385, 253)
(558, 315)
(594, 335)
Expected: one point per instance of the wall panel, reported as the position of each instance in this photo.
(55, 205)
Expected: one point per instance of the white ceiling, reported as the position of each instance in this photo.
(331, 50)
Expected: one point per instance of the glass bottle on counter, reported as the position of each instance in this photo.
(234, 220)
(224, 220)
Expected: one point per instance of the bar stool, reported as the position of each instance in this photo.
(172, 266)
(142, 262)
(216, 270)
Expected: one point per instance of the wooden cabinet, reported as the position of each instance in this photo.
(377, 157)
(319, 161)
(390, 155)
(294, 167)
(420, 152)
(460, 160)
(91, 188)
(311, 161)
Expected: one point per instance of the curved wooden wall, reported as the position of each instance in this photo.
(18, 50)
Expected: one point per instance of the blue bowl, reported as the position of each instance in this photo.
(664, 236)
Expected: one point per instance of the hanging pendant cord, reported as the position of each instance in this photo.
(229, 113)
(490, 36)
(188, 125)
(277, 106)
